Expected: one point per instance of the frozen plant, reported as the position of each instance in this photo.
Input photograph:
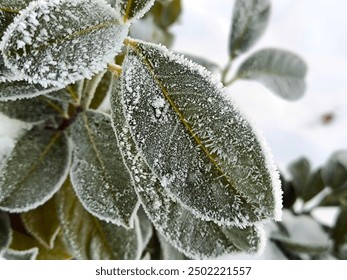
(171, 169)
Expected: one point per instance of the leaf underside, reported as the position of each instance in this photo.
(194, 140)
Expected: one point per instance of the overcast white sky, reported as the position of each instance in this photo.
(314, 29)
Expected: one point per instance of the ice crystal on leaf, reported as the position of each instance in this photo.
(200, 147)
(54, 42)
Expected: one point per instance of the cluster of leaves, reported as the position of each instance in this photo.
(309, 190)
(171, 164)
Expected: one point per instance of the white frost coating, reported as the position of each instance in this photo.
(11, 254)
(253, 144)
(53, 189)
(54, 42)
(121, 7)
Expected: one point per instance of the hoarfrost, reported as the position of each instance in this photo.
(131, 10)
(217, 163)
(98, 174)
(54, 42)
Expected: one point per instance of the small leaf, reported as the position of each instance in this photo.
(5, 231)
(199, 146)
(35, 170)
(98, 174)
(31, 110)
(280, 71)
(250, 18)
(25, 243)
(8, 10)
(314, 186)
(132, 10)
(29, 254)
(89, 238)
(300, 170)
(339, 232)
(102, 91)
(335, 170)
(43, 223)
(192, 236)
(54, 42)
(166, 13)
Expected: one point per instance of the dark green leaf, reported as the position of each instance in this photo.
(289, 194)
(250, 18)
(194, 237)
(102, 91)
(68, 40)
(300, 171)
(166, 13)
(32, 110)
(131, 10)
(337, 196)
(314, 186)
(43, 223)
(280, 71)
(339, 233)
(335, 170)
(98, 174)
(5, 231)
(201, 149)
(35, 170)
(89, 238)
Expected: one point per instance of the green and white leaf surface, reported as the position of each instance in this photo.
(199, 146)
(98, 174)
(131, 10)
(35, 169)
(189, 234)
(54, 42)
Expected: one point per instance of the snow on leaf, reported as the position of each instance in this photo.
(35, 170)
(200, 147)
(31, 110)
(167, 251)
(280, 71)
(250, 18)
(8, 10)
(98, 173)
(5, 231)
(186, 232)
(131, 10)
(43, 223)
(54, 42)
(30, 254)
(90, 238)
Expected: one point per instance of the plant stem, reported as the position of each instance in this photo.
(89, 90)
(225, 72)
(231, 81)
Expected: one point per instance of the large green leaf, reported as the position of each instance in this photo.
(43, 223)
(98, 174)
(54, 42)
(31, 110)
(281, 71)
(8, 10)
(5, 231)
(35, 170)
(250, 18)
(194, 237)
(200, 147)
(131, 10)
(89, 238)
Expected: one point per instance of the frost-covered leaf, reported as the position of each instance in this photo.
(25, 243)
(209, 65)
(334, 171)
(29, 254)
(90, 238)
(199, 146)
(31, 110)
(35, 169)
(280, 71)
(5, 231)
(102, 91)
(62, 96)
(43, 223)
(8, 10)
(192, 236)
(131, 10)
(59, 42)
(169, 252)
(98, 174)
(5, 73)
(250, 18)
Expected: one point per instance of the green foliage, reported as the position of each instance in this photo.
(171, 169)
